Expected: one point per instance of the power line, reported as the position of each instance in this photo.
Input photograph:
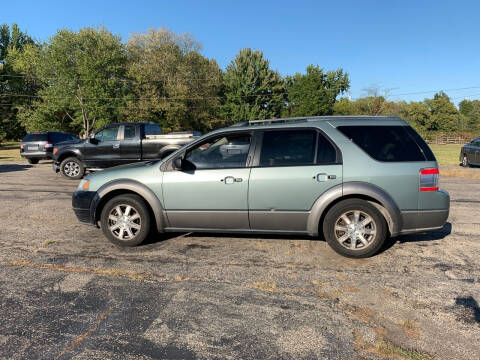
(435, 91)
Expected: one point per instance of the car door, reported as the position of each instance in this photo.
(212, 193)
(475, 150)
(130, 144)
(291, 169)
(104, 150)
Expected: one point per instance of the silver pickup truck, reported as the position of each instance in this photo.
(117, 144)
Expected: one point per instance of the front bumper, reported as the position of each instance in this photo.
(83, 204)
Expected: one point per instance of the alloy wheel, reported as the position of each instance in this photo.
(71, 169)
(355, 230)
(124, 222)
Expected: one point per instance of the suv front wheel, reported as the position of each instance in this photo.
(72, 168)
(355, 228)
(125, 220)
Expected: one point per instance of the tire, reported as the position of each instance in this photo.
(72, 168)
(119, 235)
(369, 236)
(465, 162)
(32, 161)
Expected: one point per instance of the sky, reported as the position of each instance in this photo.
(407, 49)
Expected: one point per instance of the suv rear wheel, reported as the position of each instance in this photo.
(32, 161)
(125, 220)
(465, 161)
(355, 228)
(72, 168)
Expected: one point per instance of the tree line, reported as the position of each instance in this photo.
(79, 81)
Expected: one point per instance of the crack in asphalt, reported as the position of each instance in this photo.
(86, 334)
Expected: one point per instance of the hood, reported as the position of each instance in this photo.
(69, 142)
(140, 171)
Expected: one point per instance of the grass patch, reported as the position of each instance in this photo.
(461, 172)
(386, 348)
(447, 154)
(10, 151)
(265, 286)
(104, 272)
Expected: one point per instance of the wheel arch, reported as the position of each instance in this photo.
(128, 186)
(67, 154)
(359, 190)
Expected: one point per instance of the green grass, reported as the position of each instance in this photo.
(10, 151)
(447, 154)
(386, 348)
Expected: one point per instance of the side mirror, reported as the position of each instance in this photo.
(183, 164)
(178, 163)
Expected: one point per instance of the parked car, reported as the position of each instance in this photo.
(354, 180)
(117, 144)
(37, 146)
(470, 153)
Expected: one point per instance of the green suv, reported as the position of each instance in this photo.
(355, 180)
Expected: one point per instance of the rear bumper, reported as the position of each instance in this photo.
(83, 206)
(42, 155)
(429, 219)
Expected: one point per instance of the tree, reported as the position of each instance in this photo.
(315, 92)
(470, 110)
(251, 89)
(419, 116)
(82, 79)
(173, 84)
(12, 40)
(445, 115)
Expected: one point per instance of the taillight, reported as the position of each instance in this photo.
(48, 145)
(429, 179)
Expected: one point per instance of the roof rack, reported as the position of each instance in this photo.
(269, 121)
(309, 118)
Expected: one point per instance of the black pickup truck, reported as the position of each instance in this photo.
(117, 144)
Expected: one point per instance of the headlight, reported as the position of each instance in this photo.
(84, 185)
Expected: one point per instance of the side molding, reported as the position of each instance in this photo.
(140, 189)
(390, 209)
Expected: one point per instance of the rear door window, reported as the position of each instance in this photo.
(56, 137)
(129, 132)
(387, 143)
(292, 147)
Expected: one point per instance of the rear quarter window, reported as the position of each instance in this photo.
(152, 129)
(389, 143)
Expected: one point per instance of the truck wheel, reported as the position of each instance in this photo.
(72, 168)
(32, 161)
(465, 161)
(125, 220)
(354, 228)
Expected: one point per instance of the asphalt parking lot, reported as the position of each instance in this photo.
(67, 293)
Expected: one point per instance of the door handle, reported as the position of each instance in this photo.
(230, 180)
(324, 177)
(116, 146)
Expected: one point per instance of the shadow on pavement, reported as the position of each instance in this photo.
(420, 237)
(13, 167)
(469, 303)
